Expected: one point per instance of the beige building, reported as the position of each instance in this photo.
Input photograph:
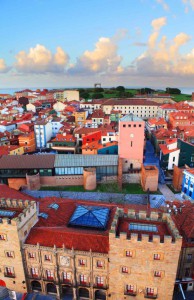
(70, 95)
(143, 255)
(139, 107)
(17, 218)
(88, 251)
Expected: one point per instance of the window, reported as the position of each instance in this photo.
(124, 270)
(49, 274)
(139, 125)
(2, 237)
(150, 291)
(82, 262)
(157, 274)
(129, 253)
(131, 144)
(34, 272)
(189, 258)
(130, 288)
(134, 125)
(157, 256)
(99, 264)
(9, 272)
(66, 277)
(129, 125)
(31, 255)
(47, 257)
(99, 281)
(187, 272)
(173, 158)
(83, 278)
(9, 253)
(143, 227)
(124, 125)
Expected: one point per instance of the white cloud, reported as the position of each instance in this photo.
(164, 4)
(163, 57)
(188, 4)
(40, 60)
(157, 24)
(3, 67)
(103, 58)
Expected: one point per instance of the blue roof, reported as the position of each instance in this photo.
(90, 216)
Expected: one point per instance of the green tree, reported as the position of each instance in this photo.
(85, 95)
(174, 91)
(120, 88)
(97, 96)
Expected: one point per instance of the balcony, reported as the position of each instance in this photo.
(130, 293)
(84, 284)
(10, 275)
(66, 281)
(100, 286)
(49, 279)
(33, 276)
(151, 296)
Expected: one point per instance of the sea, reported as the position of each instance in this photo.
(11, 91)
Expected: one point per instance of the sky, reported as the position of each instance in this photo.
(73, 43)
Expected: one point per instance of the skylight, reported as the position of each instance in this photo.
(143, 227)
(54, 206)
(7, 213)
(43, 215)
(90, 216)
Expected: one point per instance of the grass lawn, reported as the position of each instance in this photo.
(128, 188)
(182, 97)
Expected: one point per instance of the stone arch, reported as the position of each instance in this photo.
(51, 288)
(36, 286)
(100, 295)
(84, 293)
(67, 290)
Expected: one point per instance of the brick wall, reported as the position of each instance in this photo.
(149, 178)
(177, 178)
(62, 180)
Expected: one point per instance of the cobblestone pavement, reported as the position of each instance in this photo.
(168, 194)
(155, 200)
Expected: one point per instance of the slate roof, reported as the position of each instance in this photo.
(80, 160)
(27, 161)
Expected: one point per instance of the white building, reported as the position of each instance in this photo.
(43, 133)
(56, 125)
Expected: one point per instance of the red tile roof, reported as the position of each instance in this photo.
(7, 192)
(55, 230)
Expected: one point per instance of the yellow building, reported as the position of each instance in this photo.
(80, 117)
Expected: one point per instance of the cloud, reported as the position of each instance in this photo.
(164, 4)
(157, 24)
(163, 57)
(139, 44)
(40, 60)
(103, 59)
(188, 3)
(3, 67)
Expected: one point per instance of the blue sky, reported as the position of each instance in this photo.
(77, 43)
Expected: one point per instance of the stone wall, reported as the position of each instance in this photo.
(131, 178)
(141, 265)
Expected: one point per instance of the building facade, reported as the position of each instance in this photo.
(131, 142)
